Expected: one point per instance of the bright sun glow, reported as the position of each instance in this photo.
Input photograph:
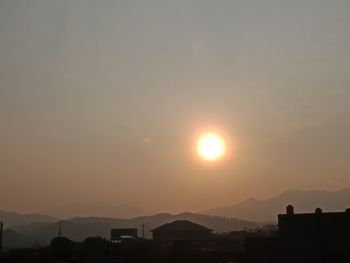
(211, 146)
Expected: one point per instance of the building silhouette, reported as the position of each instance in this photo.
(306, 237)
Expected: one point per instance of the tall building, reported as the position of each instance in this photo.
(306, 237)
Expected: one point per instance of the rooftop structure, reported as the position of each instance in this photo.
(118, 234)
(314, 225)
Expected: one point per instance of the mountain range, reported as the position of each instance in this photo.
(36, 229)
(78, 229)
(303, 202)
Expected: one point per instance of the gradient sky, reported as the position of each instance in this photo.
(100, 100)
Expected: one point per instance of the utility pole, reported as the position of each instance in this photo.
(1, 235)
(59, 229)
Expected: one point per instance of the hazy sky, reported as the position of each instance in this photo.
(101, 100)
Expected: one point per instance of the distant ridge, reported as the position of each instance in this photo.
(82, 227)
(302, 200)
(13, 218)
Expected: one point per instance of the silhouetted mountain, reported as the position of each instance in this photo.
(303, 201)
(13, 218)
(97, 209)
(12, 239)
(78, 229)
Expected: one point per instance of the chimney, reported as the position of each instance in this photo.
(290, 210)
(318, 210)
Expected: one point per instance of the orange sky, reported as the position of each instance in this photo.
(101, 101)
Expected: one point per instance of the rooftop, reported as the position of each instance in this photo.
(182, 225)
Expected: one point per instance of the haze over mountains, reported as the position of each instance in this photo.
(78, 229)
(96, 209)
(251, 209)
(303, 201)
(13, 218)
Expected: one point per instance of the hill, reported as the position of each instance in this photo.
(12, 240)
(267, 210)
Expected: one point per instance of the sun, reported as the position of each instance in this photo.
(211, 146)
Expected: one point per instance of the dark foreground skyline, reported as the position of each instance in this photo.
(313, 237)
